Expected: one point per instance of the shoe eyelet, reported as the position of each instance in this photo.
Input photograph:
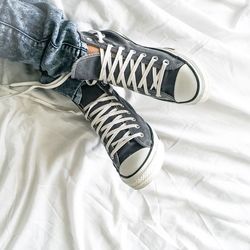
(137, 126)
(144, 54)
(155, 58)
(141, 135)
(165, 61)
(133, 119)
(133, 51)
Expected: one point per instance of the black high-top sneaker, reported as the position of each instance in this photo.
(160, 73)
(131, 143)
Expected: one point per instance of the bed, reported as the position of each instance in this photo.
(58, 188)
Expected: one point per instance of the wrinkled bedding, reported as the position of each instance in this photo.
(58, 188)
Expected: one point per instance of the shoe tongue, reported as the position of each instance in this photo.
(88, 67)
(90, 94)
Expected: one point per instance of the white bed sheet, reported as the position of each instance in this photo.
(58, 189)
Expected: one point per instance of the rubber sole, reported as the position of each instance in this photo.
(150, 168)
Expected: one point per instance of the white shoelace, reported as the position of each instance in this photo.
(35, 84)
(108, 68)
(107, 130)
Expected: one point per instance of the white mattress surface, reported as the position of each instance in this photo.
(58, 188)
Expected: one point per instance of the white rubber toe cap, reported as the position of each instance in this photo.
(134, 162)
(185, 85)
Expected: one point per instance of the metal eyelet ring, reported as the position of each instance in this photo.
(155, 58)
(133, 119)
(144, 54)
(141, 135)
(137, 126)
(165, 61)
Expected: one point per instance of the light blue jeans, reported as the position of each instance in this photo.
(35, 32)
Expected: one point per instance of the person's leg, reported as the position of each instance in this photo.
(35, 32)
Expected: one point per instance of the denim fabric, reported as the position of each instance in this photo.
(35, 32)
